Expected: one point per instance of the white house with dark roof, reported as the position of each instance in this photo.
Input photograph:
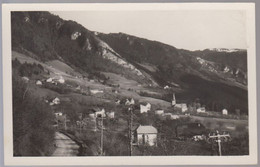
(146, 135)
(225, 111)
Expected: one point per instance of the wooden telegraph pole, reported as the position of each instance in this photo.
(101, 137)
(217, 138)
(65, 124)
(130, 131)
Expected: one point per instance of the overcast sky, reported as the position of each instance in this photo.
(192, 30)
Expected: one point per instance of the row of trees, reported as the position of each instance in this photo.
(33, 134)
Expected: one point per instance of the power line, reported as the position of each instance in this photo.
(217, 138)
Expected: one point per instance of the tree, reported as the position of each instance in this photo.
(33, 134)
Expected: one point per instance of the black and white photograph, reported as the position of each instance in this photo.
(104, 81)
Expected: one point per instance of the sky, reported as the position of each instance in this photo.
(190, 29)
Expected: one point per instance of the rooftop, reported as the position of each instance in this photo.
(146, 129)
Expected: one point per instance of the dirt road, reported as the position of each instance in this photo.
(65, 146)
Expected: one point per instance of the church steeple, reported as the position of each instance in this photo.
(173, 99)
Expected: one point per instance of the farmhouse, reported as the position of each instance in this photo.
(170, 116)
(201, 110)
(61, 80)
(145, 108)
(92, 115)
(110, 115)
(58, 114)
(159, 112)
(49, 80)
(182, 107)
(166, 87)
(146, 135)
(118, 102)
(78, 88)
(130, 102)
(127, 102)
(95, 91)
(225, 111)
(38, 82)
(99, 112)
(56, 100)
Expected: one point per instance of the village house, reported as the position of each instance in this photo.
(95, 91)
(127, 102)
(49, 80)
(61, 80)
(146, 135)
(201, 110)
(92, 115)
(130, 102)
(111, 115)
(38, 82)
(118, 102)
(182, 107)
(159, 112)
(114, 91)
(145, 108)
(166, 87)
(225, 111)
(56, 100)
(58, 114)
(170, 116)
(25, 79)
(99, 112)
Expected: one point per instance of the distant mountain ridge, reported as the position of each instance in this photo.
(46, 37)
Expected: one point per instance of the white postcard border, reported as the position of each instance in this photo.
(135, 160)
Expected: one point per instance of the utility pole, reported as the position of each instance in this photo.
(80, 124)
(101, 137)
(95, 123)
(130, 131)
(65, 123)
(217, 138)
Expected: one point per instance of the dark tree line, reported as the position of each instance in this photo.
(33, 134)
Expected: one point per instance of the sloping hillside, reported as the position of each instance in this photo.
(217, 78)
(51, 38)
(68, 45)
(172, 63)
